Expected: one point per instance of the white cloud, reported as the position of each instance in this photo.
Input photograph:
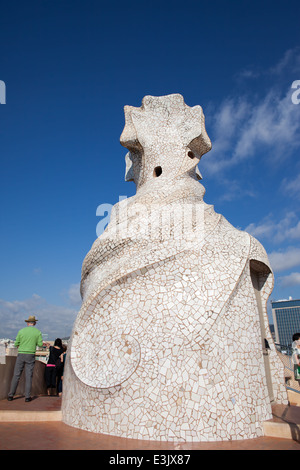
(291, 187)
(247, 73)
(54, 320)
(241, 128)
(37, 271)
(273, 123)
(261, 230)
(292, 279)
(225, 125)
(287, 228)
(290, 60)
(235, 190)
(74, 294)
(281, 261)
(245, 125)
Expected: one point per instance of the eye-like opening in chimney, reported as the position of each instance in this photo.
(190, 154)
(157, 171)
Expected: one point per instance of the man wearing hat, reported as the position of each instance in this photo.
(27, 340)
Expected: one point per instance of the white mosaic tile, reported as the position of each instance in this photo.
(168, 342)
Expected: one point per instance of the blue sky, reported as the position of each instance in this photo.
(70, 67)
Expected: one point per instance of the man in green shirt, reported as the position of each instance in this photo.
(27, 340)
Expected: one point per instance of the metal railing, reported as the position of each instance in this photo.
(287, 352)
(284, 349)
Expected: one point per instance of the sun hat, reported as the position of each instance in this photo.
(31, 319)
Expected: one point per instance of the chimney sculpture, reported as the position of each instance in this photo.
(170, 341)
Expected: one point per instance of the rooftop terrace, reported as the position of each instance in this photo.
(37, 425)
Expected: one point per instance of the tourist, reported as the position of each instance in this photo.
(60, 371)
(53, 363)
(27, 340)
(296, 356)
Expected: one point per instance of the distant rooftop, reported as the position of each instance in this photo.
(285, 303)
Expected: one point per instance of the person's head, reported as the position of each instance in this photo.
(31, 321)
(58, 342)
(296, 336)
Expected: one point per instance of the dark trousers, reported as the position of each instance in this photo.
(50, 377)
(27, 361)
